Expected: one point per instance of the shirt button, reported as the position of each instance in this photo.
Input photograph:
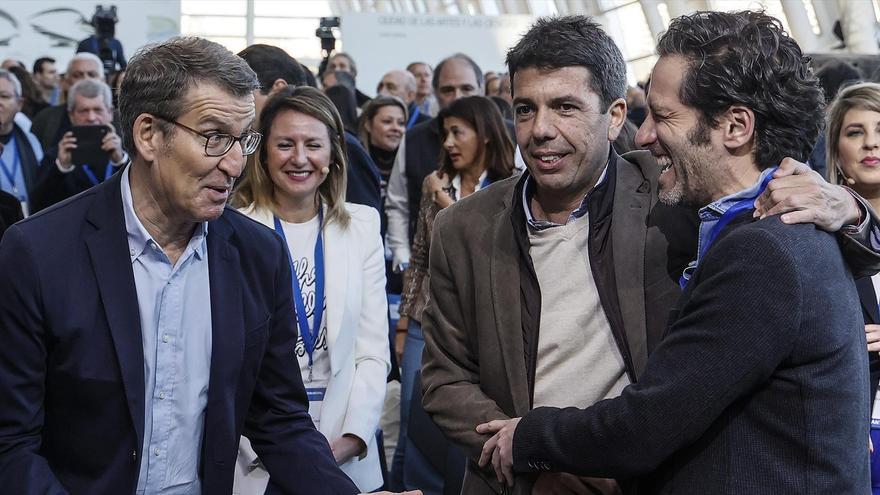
(131, 252)
(134, 456)
(156, 451)
(162, 395)
(165, 338)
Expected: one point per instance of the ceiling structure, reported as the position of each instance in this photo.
(633, 24)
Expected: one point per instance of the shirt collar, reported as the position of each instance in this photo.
(455, 183)
(529, 192)
(139, 240)
(718, 207)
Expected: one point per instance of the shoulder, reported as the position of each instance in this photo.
(640, 163)
(479, 209)
(250, 234)
(775, 246)
(362, 218)
(422, 131)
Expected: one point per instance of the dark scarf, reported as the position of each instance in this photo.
(383, 159)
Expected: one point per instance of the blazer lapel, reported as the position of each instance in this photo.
(108, 249)
(632, 201)
(227, 335)
(336, 267)
(505, 283)
(868, 298)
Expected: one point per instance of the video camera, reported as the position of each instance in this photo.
(104, 21)
(325, 33)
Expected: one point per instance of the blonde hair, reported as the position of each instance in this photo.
(257, 187)
(865, 96)
(372, 109)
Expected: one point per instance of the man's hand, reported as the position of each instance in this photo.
(112, 144)
(346, 447)
(499, 448)
(804, 196)
(65, 149)
(872, 335)
(568, 484)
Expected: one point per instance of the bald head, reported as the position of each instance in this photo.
(399, 83)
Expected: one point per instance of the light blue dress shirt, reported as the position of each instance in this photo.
(175, 311)
(712, 213)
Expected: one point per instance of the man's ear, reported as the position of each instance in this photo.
(147, 136)
(737, 124)
(278, 85)
(617, 112)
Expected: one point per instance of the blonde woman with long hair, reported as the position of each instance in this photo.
(297, 187)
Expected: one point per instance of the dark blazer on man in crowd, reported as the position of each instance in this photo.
(10, 211)
(54, 186)
(30, 160)
(50, 124)
(363, 178)
(759, 386)
(72, 366)
(482, 352)
(871, 314)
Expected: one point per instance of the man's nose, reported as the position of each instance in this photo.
(647, 132)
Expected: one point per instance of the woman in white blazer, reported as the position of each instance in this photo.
(297, 187)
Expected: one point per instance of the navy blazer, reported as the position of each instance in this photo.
(759, 385)
(72, 367)
(871, 313)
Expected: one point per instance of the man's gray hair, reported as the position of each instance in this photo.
(16, 84)
(89, 88)
(160, 75)
(91, 57)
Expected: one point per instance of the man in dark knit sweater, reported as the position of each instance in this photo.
(760, 382)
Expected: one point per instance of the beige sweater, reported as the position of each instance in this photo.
(578, 360)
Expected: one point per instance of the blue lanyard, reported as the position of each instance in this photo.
(11, 172)
(309, 334)
(737, 208)
(108, 171)
(413, 117)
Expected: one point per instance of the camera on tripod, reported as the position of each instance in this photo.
(325, 33)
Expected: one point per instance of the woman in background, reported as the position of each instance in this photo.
(297, 188)
(381, 130)
(852, 135)
(476, 151)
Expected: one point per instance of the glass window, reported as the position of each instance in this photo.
(214, 7)
(288, 8)
(200, 25)
(282, 27)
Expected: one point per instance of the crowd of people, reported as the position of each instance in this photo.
(224, 273)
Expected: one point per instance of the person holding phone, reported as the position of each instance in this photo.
(86, 155)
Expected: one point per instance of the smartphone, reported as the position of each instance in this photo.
(88, 145)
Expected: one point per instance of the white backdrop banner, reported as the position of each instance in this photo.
(382, 42)
(30, 29)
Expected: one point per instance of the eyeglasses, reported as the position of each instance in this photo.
(219, 144)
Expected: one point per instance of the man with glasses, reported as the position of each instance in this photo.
(145, 325)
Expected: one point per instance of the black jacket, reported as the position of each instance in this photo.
(759, 386)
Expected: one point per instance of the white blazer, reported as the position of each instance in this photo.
(357, 342)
